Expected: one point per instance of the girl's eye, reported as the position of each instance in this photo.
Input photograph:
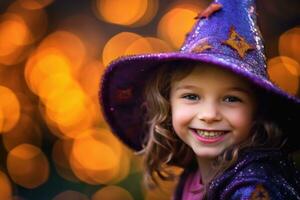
(231, 99)
(192, 97)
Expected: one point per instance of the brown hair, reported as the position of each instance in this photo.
(163, 147)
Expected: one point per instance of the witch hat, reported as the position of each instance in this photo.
(225, 35)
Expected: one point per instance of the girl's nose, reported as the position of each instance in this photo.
(209, 113)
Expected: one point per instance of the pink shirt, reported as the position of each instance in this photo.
(193, 188)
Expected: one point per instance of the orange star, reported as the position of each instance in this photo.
(238, 43)
(260, 193)
(201, 47)
(214, 7)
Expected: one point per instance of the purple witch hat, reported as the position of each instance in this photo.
(225, 35)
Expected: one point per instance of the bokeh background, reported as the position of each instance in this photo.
(54, 142)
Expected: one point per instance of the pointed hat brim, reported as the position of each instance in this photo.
(122, 87)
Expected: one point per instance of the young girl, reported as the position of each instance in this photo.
(210, 109)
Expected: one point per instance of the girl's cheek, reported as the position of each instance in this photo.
(241, 120)
(182, 115)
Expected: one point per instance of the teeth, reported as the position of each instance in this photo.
(209, 134)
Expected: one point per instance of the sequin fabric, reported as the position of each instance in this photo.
(258, 174)
(122, 85)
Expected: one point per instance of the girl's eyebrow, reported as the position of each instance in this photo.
(239, 89)
(181, 87)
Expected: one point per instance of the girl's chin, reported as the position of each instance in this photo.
(207, 155)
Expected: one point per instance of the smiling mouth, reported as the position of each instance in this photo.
(209, 134)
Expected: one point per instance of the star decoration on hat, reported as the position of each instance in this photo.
(260, 193)
(201, 47)
(212, 8)
(238, 43)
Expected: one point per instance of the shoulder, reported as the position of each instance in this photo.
(268, 176)
(259, 187)
(261, 182)
(253, 191)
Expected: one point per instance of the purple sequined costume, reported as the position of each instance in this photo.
(258, 175)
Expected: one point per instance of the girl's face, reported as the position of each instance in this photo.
(212, 109)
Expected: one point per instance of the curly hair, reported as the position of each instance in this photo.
(163, 147)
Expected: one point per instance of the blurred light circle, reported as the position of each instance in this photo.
(159, 45)
(69, 45)
(16, 57)
(54, 84)
(139, 46)
(35, 4)
(175, 24)
(147, 45)
(44, 64)
(290, 64)
(89, 79)
(61, 153)
(10, 109)
(112, 193)
(14, 34)
(73, 130)
(151, 11)
(28, 166)
(70, 195)
(5, 187)
(122, 12)
(123, 154)
(66, 108)
(15, 38)
(98, 157)
(95, 158)
(117, 46)
(284, 74)
(36, 20)
(289, 43)
(90, 76)
(25, 131)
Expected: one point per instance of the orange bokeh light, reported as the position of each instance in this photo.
(36, 20)
(5, 187)
(66, 108)
(28, 166)
(90, 76)
(14, 34)
(98, 158)
(61, 153)
(93, 161)
(175, 24)
(121, 12)
(151, 11)
(25, 131)
(112, 192)
(43, 64)
(72, 130)
(10, 109)
(70, 46)
(285, 73)
(147, 45)
(117, 46)
(289, 43)
(55, 84)
(14, 39)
